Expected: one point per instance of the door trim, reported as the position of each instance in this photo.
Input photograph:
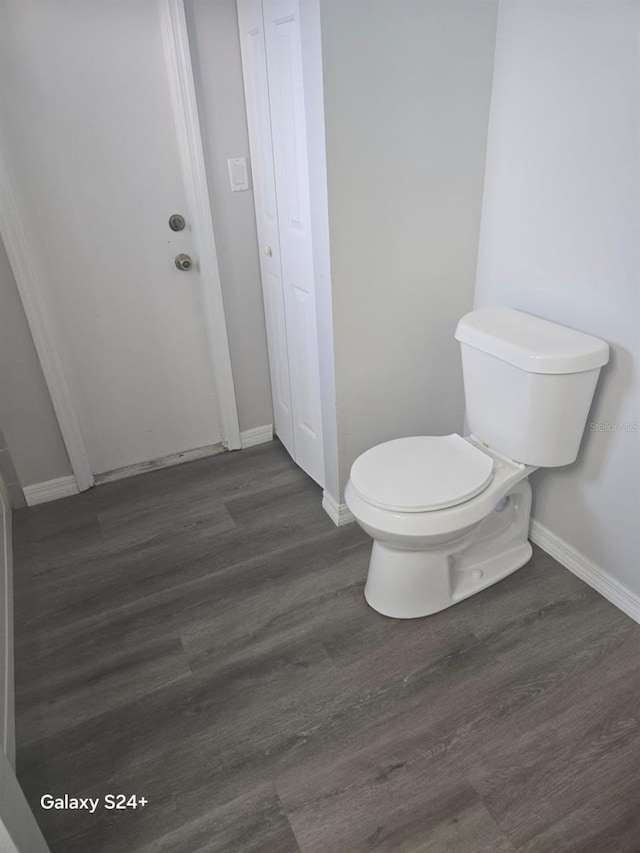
(35, 309)
(183, 97)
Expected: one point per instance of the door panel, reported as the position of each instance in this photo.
(303, 317)
(279, 358)
(90, 141)
(289, 145)
(259, 122)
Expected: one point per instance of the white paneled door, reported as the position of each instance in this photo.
(89, 138)
(272, 66)
(254, 64)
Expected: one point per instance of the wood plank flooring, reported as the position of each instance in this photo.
(198, 636)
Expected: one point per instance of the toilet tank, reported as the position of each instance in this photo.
(528, 384)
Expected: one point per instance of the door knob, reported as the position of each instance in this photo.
(183, 262)
(268, 251)
(176, 222)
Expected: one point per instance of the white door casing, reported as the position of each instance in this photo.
(29, 286)
(279, 160)
(89, 136)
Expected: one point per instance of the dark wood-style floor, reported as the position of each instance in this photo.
(198, 636)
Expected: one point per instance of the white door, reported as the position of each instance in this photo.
(254, 65)
(90, 142)
(275, 107)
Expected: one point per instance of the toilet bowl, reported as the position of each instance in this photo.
(448, 518)
(449, 515)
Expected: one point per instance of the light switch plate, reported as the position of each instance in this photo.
(238, 174)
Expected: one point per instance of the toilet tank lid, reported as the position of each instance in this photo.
(529, 342)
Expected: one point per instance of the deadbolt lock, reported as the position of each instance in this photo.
(176, 222)
(183, 262)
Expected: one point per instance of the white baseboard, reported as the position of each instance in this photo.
(50, 490)
(163, 462)
(340, 514)
(611, 588)
(258, 435)
(62, 487)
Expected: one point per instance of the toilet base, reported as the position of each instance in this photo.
(408, 584)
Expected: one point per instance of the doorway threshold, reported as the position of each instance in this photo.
(162, 462)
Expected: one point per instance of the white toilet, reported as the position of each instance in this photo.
(449, 515)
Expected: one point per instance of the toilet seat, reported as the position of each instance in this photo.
(421, 474)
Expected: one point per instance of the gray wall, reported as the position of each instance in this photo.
(215, 48)
(27, 418)
(406, 97)
(559, 238)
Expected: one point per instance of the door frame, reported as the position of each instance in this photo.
(30, 287)
(187, 122)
